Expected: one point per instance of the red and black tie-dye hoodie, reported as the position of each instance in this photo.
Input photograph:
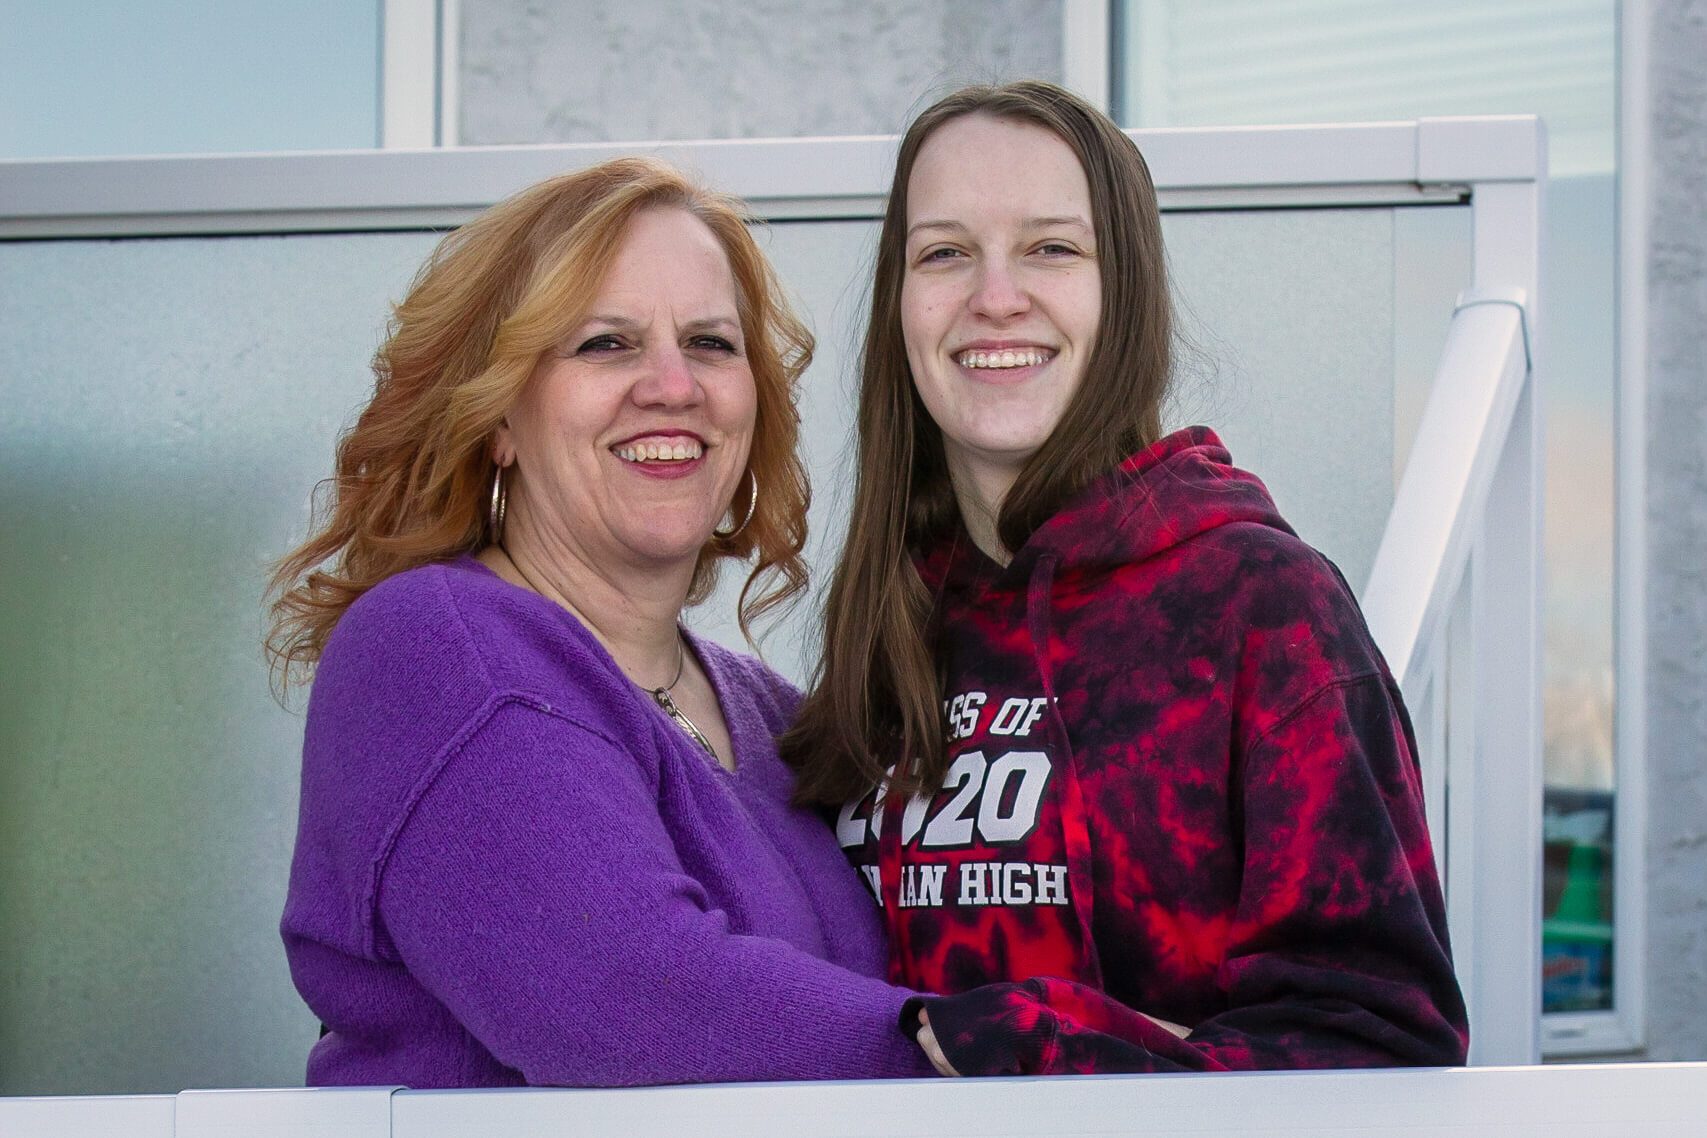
(1182, 784)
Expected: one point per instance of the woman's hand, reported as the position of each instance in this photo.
(1046, 1026)
(933, 1049)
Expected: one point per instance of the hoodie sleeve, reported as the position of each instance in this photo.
(1337, 954)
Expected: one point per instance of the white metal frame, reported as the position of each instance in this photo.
(450, 72)
(1085, 50)
(418, 68)
(352, 190)
(1624, 1028)
(1453, 597)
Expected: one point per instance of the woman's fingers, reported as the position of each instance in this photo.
(933, 1049)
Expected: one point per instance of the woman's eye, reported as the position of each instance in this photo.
(711, 344)
(1056, 249)
(942, 253)
(604, 343)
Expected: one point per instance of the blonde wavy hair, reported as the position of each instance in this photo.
(413, 476)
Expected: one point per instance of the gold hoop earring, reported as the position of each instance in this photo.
(752, 504)
(498, 506)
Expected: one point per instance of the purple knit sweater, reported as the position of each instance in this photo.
(511, 868)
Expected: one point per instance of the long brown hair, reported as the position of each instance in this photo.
(415, 472)
(878, 695)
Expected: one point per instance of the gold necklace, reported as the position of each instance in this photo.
(660, 696)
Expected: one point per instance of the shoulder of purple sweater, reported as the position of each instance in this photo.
(417, 664)
(400, 650)
(448, 637)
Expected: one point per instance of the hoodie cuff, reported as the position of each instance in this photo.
(998, 1029)
(909, 1018)
(1045, 1026)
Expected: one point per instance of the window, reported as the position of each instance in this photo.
(114, 77)
(1218, 62)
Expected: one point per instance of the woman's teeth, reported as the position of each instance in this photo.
(659, 452)
(1023, 357)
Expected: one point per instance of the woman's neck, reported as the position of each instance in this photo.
(635, 620)
(980, 492)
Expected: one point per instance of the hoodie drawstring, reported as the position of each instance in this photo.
(1075, 833)
(886, 819)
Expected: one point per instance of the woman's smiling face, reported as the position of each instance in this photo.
(1002, 293)
(631, 438)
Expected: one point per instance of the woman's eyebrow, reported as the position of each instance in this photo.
(1052, 222)
(932, 223)
(620, 323)
(1028, 223)
(713, 324)
(630, 324)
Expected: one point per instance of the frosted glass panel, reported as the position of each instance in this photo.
(168, 405)
(1292, 314)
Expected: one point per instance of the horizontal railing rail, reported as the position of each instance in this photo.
(1358, 164)
(1659, 1100)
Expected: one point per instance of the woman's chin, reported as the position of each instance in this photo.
(665, 547)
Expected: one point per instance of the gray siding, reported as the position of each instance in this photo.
(1677, 534)
(546, 72)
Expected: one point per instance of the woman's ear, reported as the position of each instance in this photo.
(503, 444)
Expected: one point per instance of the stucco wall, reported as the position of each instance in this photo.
(550, 72)
(1677, 534)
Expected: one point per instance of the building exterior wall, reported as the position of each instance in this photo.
(1677, 533)
(542, 72)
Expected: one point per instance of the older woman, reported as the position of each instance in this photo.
(1116, 744)
(545, 836)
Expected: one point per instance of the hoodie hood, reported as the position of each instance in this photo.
(1183, 486)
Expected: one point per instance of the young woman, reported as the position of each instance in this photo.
(1133, 784)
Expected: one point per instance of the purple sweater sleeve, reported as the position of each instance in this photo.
(535, 891)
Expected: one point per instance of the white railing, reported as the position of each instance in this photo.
(1660, 1100)
(1454, 600)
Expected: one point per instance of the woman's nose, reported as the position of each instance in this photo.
(667, 379)
(997, 293)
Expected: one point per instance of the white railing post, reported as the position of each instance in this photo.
(1506, 606)
(1454, 597)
